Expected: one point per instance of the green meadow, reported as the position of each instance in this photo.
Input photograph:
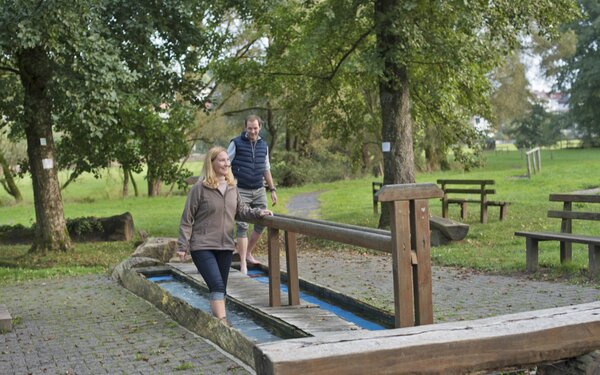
(490, 247)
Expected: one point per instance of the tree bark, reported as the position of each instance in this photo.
(398, 162)
(9, 182)
(51, 231)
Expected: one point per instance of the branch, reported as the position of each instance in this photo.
(331, 75)
(8, 69)
(349, 52)
(233, 113)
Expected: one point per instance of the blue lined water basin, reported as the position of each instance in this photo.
(336, 309)
(241, 320)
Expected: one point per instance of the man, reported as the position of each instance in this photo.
(249, 155)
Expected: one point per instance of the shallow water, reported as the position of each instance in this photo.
(239, 319)
(325, 305)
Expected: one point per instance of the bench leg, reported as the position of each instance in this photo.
(565, 252)
(503, 211)
(463, 211)
(594, 257)
(444, 209)
(532, 254)
(484, 214)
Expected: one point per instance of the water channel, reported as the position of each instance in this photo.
(255, 329)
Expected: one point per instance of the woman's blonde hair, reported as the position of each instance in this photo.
(210, 177)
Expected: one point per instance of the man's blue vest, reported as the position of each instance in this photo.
(249, 164)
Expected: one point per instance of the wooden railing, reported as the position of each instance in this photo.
(408, 242)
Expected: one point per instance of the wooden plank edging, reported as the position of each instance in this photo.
(450, 348)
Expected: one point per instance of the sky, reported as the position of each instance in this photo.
(537, 81)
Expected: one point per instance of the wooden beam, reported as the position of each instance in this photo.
(402, 264)
(496, 343)
(466, 182)
(422, 270)
(408, 191)
(274, 268)
(589, 198)
(291, 258)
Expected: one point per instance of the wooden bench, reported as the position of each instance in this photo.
(482, 191)
(566, 235)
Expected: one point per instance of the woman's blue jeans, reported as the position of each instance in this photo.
(214, 265)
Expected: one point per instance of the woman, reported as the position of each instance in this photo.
(206, 229)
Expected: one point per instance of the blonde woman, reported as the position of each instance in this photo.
(206, 229)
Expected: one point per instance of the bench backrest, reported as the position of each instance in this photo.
(481, 190)
(567, 212)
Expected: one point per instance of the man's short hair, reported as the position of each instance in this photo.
(253, 118)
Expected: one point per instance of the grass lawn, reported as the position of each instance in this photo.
(488, 247)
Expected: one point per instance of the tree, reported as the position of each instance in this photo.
(579, 73)
(10, 155)
(529, 130)
(75, 60)
(64, 63)
(429, 61)
(511, 99)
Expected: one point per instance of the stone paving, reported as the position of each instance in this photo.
(92, 325)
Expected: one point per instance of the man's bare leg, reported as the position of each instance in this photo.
(242, 245)
(254, 237)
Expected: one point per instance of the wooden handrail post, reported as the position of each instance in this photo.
(291, 258)
(421, 242)
(274, 269)
(402, 265)
(411, 257)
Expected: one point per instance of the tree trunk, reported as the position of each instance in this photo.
(153, 186)
(51, 231)
(134, 184)
(272, 130)
(9, 182)
(396, 130)
(125, 182)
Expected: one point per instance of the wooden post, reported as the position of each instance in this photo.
(274, 269)
(531, 245)
(402, 265)
(566, 226)
(483, 215)
(528, 165)
(291, 258)
(445, 202)
(420, 241)
(594, 258)
(411, 257)
(375, 188)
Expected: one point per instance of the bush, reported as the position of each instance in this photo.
(289, 168)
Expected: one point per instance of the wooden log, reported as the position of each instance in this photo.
(495, 343)
(453, 230)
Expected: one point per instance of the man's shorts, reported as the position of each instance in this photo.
(255, 198)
